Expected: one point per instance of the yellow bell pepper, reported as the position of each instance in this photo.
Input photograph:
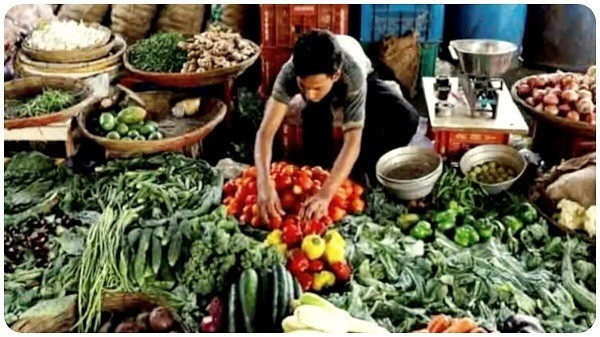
(274, 238)
(314, 246)
(322, 280)
(334, 252)
(333, 235)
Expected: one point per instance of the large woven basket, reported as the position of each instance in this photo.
(29, 86)
(179, 132)
(191, 80)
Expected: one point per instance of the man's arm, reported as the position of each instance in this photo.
(268, 202)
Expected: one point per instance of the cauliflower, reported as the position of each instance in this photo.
(590, 221)
(572, 214)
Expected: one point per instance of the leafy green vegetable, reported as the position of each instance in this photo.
(159, 53)
(50, 100)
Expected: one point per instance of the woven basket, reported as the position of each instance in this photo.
(185, 19)
(179, 132)
(82, 12)
(132, 22)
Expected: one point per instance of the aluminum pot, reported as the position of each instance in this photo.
(409, 189)
(482, 57)
(502, 154)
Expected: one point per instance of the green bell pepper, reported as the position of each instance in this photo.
(466, 236)
(407, 220)
(453, 205)
(445, 226)
(469, 220)
(445, 216)
(421, 230)
(527, 213)
(512, 223)
(485, 229)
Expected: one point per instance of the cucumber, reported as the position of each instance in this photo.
(231, 309)
(284, 294)
(290, 289)
(273, 282)
(247, 288)
(297, 289)
(264, 298)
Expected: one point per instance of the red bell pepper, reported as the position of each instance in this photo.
(292, 234)
(315, 266)
(297, 262)
(342, 271)
(305, 279)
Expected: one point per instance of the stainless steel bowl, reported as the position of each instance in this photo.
(502, 154)
(483, 57)
(409, 189)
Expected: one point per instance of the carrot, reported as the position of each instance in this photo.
(478, 330)
(439, 323)
(461, 326)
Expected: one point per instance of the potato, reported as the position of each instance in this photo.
(570, 96)
(551, 109)
(551, 99)
(585, 106)
(572, 115)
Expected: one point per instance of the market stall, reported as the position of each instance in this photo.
(139, 229)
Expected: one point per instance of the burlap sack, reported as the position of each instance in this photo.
(132, 22)
(402, 56)
(243, 19)
(185, 19)
(82, 12)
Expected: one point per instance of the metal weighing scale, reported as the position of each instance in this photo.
(476, 107)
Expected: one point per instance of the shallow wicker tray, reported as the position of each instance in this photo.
(189, 80)
(90, 53)
(29, 86)
(179, 132)
(574, 127)
(113, 58)
(25, 70)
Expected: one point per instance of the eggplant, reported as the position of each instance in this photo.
(522, 324)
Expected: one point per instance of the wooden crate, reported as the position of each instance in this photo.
(55, 132)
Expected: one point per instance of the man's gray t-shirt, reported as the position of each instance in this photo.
(349, 93)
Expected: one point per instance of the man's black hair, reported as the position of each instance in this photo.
(316, 52)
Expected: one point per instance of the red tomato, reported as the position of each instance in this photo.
(255, 222)
(339, 199)
(358, 190)
(336, 213)
(250, 172)
(232, 208)
(306, 170)
(342, 271)
(227, 200)
(326, 220)
(247, 210)
(275, 223)
(290, 221)
(282, 182)
(287, 200)
(252, 188)
(347, 186)
(305, 183)
(244, 219)
(229, 188)
(297, 189)
(255, 209)
(288, 170)
(251, 199)
(357, 206)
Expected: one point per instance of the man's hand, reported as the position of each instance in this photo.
(316, 206)
(269, 205)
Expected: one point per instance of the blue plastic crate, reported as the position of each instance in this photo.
(379, 21)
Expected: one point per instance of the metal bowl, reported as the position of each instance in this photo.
(502, 154)
(409, 189)
(483, 57)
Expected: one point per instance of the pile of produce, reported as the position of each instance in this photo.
(315, 256)
(570, 95)
(49, 101)
(522, 268)
(215, 49)
(259, 300)
(492, 173)
(65, 35)
(445, 324)
(315, 314)
(158, 319)
(129, 124)
(158, 53)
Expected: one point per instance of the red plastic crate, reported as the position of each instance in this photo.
(282, 24)
(455, 143)
(271, 61)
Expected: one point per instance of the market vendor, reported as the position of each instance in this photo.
(327, 73)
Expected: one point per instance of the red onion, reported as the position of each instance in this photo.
(530, 101)
(563, 109)
(590, 118)
(583, 94)
(538, 94)
(551, 110)
(539, 107)
(550, 99)
(569, 96)
(567, 80)
(523, 90)
(572, 115)
(585, 106)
